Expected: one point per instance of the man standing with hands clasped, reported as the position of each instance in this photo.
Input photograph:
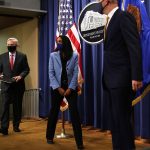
(122, 74)
(13, 66)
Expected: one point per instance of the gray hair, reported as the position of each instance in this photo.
(13, 39)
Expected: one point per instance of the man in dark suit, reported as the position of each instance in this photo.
(13, 66)
(122, 74)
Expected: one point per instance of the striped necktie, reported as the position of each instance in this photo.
(105, 28)
(11, 61)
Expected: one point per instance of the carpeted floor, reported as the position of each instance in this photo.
(32, 137)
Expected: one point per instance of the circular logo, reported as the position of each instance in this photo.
(91, 23)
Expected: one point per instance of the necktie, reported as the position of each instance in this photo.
(11, 61)
(105, 28)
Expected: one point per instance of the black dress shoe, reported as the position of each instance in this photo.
(4, 131)
(50, 141)
(80, 147)
(17, 130)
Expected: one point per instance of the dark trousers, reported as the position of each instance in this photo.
(120, 105)
(53, 116)
(13, 97)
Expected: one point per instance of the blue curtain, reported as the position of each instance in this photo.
(146, 109)
(92, 103)
(142, 110)
(47, 28)
(147, 4)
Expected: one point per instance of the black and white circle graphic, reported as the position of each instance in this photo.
(91, 23)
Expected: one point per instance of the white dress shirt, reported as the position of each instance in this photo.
(14, 56)
(111, 13)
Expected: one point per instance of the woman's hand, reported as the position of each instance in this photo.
(68, 92)
(61, 91)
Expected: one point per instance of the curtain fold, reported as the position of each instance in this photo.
(142, 119)
(147, 4)
(47, 28)
(92, 103)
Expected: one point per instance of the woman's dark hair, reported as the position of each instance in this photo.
(67, 47)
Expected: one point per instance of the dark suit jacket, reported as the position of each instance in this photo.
(122, 51)
(21, 68)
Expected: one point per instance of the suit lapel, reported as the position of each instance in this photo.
(110, 25)
(16, 58)
(7, 60)
(68, 62)
(58, 59)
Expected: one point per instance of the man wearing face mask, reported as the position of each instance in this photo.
(122, 74)
(14, 66)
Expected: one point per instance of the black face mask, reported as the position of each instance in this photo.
(11, 48)
(59, 46)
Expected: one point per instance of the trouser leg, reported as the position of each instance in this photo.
(5, 111)
(17, 109)
(53, 114)
(121, 126)
(75, 119)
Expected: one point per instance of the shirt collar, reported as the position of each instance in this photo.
(111, 13)
(14, 54)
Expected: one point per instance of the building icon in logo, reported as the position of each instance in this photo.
(92, 20)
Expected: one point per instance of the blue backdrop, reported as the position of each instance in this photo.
(147, 4)
(92, 105)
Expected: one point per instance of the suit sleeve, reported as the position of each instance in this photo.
(74, 80)
(131, 36)
(25, 69)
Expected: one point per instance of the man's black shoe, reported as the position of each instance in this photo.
(4, 132)
(80, 147)
(17, 130)
(50, 141)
